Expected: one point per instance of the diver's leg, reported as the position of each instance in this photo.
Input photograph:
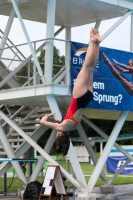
(81, 84)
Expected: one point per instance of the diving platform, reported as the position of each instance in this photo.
(80, 12)
(35, 96)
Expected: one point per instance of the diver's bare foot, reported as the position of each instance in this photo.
(92, 36)
(97, 35)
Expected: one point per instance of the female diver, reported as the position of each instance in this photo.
(81, 96)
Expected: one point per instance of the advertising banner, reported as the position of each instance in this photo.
(114, 163)
(113, 82)
(116, 152)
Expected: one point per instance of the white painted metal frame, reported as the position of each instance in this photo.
(50, 98)
(7, 30)
(41, 161)
(122, 3)
(119, 171)
(131, 34)
(81, 183)
(90, 149)
(27, 60)
(116, 25)
(104, 135)
(50, 43)
(28, 39)
(40, 150)
(11, 154)
(106, 151)
(67, 54)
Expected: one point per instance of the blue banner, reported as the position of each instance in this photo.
(114, 163)
(112, 90)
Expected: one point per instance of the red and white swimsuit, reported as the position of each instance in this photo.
(77, 103)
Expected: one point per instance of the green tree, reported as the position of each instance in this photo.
(22, 74)
(58, 61)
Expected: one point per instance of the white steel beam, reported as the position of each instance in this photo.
(77, 169)
(28, 39)
(7, 30)
(104, 135)
(31, 91)
(101, 148)
(51, 6)
(27, 60)
(10, 154)
(22, 149)
(67, 54)
(39, 149)
(4, 73)
(53, 105)
(41, 161)
(131, 34)
(60, 78)
(90, 149)
(72, 156)
(115, 25)
(97, 24)
(34, 69)
(121, 3)
(107, 150)
(119, 171)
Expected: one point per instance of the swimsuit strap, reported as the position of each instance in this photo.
(73, 119)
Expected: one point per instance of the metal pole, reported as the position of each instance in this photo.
(77, 168)
(89, 149)
(28, 73)
(104, 135)
(11, 154)
(39, 149)
(98, 22)
(119, 171)
(115, 25)
(53, 105)
(41, 161)
(107, 149)
(26, 61)
(67, 54)
(73, 158)
(7, 30)
(131, 34)
(51, 6)
(101, 148)
(68, 168)
(5, 184)
(34, 68)
(28, 39)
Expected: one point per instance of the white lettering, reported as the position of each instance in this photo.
(106, 98)
(120, 163)
(75, 60)
(80, 61)
(98, 85)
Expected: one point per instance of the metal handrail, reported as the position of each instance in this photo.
(22, 44)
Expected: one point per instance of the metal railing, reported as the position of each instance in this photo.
(14, 60)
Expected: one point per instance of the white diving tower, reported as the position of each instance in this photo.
(49, 94)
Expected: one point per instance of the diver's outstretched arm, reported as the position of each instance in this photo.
(125, 82)
(126, 71)
(121, 64)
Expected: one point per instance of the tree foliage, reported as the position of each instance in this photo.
(58, 61)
